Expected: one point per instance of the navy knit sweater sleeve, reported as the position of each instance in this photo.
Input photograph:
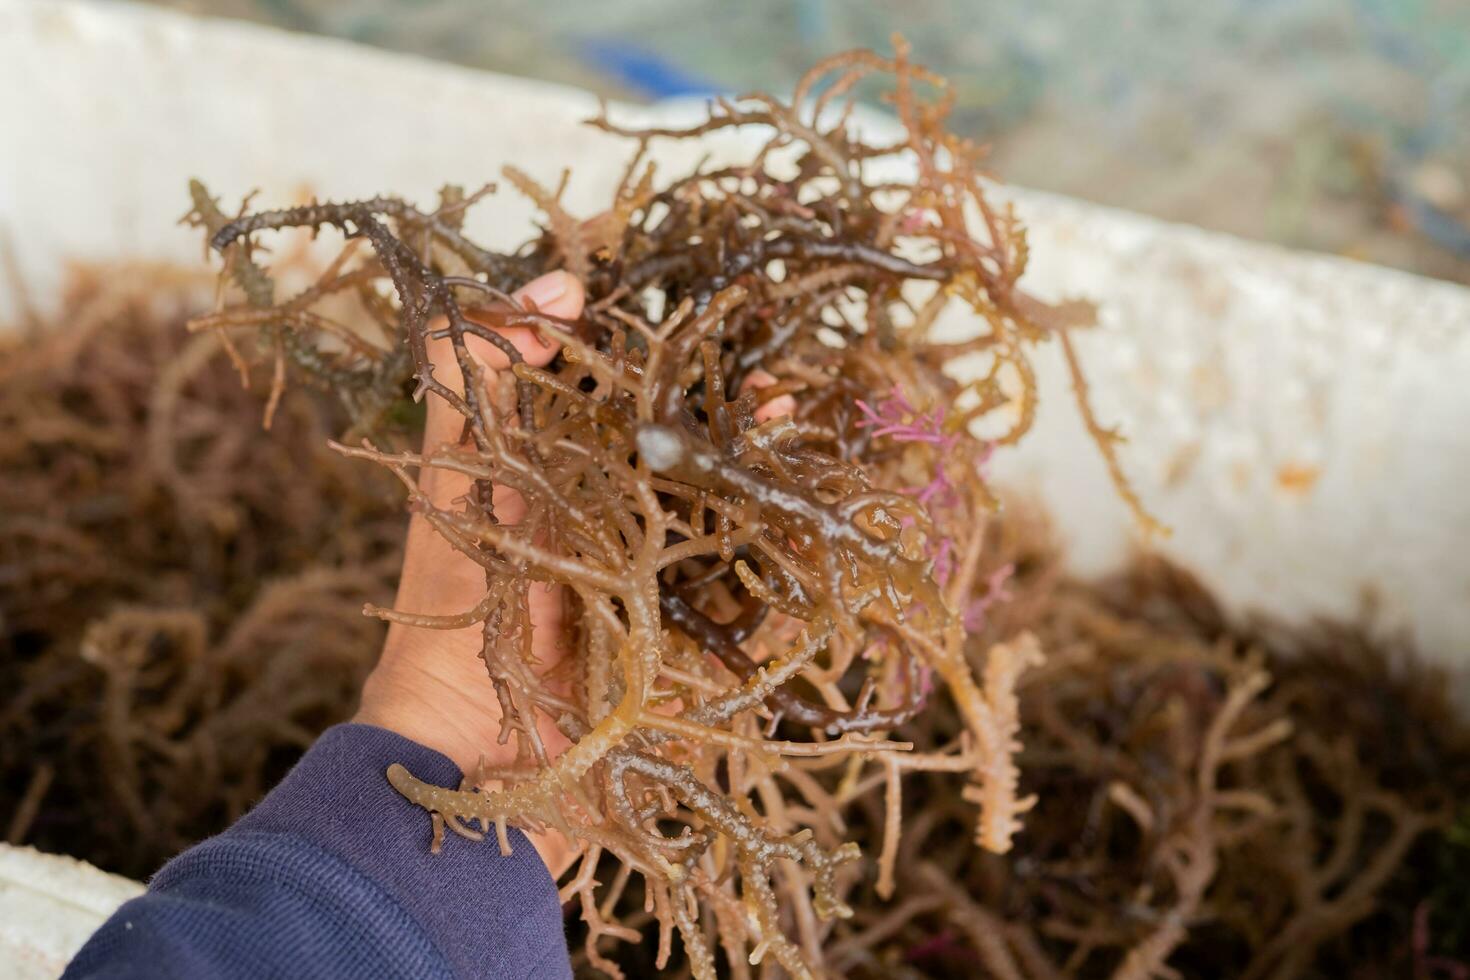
(331, 876)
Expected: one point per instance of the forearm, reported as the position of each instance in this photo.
(331, 875)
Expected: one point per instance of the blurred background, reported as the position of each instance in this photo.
(1341, 126)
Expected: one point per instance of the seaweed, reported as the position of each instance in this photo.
(180, 600)
(1211, 803)
(761, 600)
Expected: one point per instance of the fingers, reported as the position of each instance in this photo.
(437, 579)
(558, 294)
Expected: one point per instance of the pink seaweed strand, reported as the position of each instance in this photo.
(897, 418)
(995, 591)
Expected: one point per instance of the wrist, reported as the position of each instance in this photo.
(419, 710)
(402, 697)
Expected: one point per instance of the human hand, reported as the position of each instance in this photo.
(430, 685)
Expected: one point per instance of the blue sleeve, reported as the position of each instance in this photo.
(331, 876)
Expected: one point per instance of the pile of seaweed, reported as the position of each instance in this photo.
(1212, 802)
(180, 596)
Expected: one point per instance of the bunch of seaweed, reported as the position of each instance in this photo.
(180, 599)
(761, 602)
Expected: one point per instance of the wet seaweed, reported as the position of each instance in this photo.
(1211, 803)
(762, 600)
(180, 599)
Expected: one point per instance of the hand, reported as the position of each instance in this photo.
(431, 685)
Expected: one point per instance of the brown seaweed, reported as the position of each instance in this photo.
(1209, 805)
(180, 599)
(845, 537)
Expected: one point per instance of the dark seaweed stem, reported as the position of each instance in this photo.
(840, 552)
(422, 294)
(500, 268)
(669, 450)
(757, 254)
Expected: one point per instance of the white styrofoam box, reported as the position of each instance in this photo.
(49, 905)
(1300, 420)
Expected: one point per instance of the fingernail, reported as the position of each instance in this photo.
(546, 290)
